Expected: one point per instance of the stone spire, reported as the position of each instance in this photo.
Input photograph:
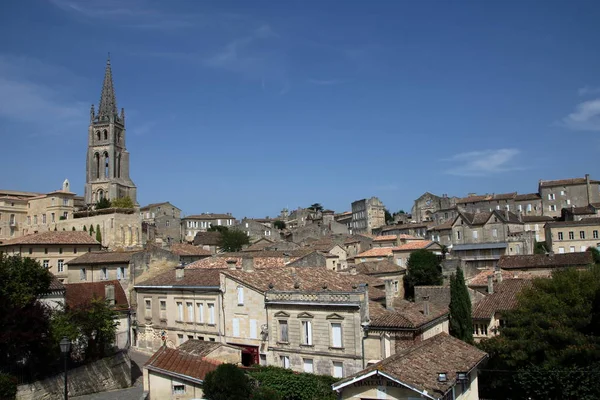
(108, 101)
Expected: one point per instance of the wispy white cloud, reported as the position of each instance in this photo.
(325, 82)
(587, 90)
(483, 163)
(27, 98)
(586, 117)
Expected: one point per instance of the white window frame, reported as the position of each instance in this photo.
(309, 365)
(46, 264)
(240, 295)
(284, 334)
(337, 335)
(211, 313)
(475, 235)
(253, 329)
(235, 327)
(200, 312)
(190, 310)
(307, 333)
(82, 274)
(285, 361)
(180, 311)
(148, 308)
(337, 370)
(60, 265)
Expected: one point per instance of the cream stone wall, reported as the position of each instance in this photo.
(160, 387)
(44, 212)
(52, 254)
(151, 325)
(436, 330)
(117, 230)
(12, 227)
(577, 244)
(94, 274)
(253, 309)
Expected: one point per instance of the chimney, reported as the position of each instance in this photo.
(506, 215)
(589, 188)
(109, 294)
(231, 263)
(286, 258)
(248, 264)
(498, 275)
(179, 272)
(353, 270)
(389, 295)
(425, 305)
(490, 279)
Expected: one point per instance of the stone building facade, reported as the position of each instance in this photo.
(564, 193)
(192, 224)
(573, 236)
(163, 220)
(428, 204)
(367, 214)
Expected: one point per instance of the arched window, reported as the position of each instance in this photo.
(96, 168)
(119, 166)
(118, 137)
(94, 198)
(98, 135)
(100, 194)
(106, 165)
(105, 135)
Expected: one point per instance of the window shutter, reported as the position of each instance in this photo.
(253, 329)
(236, 327)
(336, 332)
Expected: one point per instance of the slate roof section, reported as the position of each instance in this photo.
(536, 218)
(185, 249)
(207, 239)
(262, 259)
(191, 277)
(566, 182)
(78, 294)
(56, 285)
(104, 257)
(53, 237)
(482, 217)
(442, 227)
(528, 196)
(582, 222)
(585, 210)
(405, 315)
(209, 216)
(580, 259)
(418, 366)
(177, 363)
(504, 298)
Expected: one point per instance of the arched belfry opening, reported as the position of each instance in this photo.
(106, 165)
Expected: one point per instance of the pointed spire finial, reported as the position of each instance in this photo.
(108, 101)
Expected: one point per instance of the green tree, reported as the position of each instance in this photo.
(423, 268)
(316, 207)
(227, 382)
(73, 228)
(91, 229)
(461, 321)
(217, 228)
(292, 385)
(595, 254)
(98, 234)
(279, 224)
(122, 202)
(84, 228)
(233, 240)
(549, 347)
(265, 393)
(103, 203)
(388, 217)
(540, 248)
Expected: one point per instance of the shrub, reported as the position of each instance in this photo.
(227, 382)
(265, 393)
(294, 386)
(8, 387)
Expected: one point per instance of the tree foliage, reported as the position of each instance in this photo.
(122, 202)
(103, 203)
(388, 216)
(595, 254)
(294, 386)
(279, 224)
(540, 248)
(98, 234)
(233, 240)
(91, 231)
(423, 268)
(461, 321)
(266, 393)
(316, 207)
(549, 347)
(217, 228)
(8, 386)
(227, 382)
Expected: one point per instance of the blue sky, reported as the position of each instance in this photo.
(252, 106)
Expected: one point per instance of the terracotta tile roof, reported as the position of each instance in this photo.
(201, 348)
(207, 238)
(54, 237)
(404, 226)
(473, 199)
(418, 366)
(262, 259)
(565, 182)
(385, 238)
(481, 279)
(504, 298)
(405, 315)
(376, 267)
(376, 252)
(309, 279)
(104, 257)
(416, 245)
(582, 222)
(357, 238)
(579, 259)
(209, 216)
(191, 277)
(184, 249)
(175, 361)
(152, 205)
(527, 196)
(79, 294)
(259, 245)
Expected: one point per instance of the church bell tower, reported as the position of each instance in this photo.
(107, 169)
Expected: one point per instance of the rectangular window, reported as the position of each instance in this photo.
(236, 327)
(104, 273)
(240, 295)
(190, 311)
(520, 208)
(568, 202)
(82, 274)
(561, 250)
(308, 365)
(458, 235)
(163, 309)
(61, 264)
(211, 313)
(560, 236)
(180, 339)
(60, 250)
(338, 369)
(572, 249)
(179, 311)
(307, 333)
(121, 273)
(474, 234)
(528, 207)
(253, 329)
(495, 232)
(571, 235)
(200, 312)
(52, 219)
(552, 207)
(148, 308)
(562, 192)
(336, 335)
(595, 234)
(581, 234)
(285, 361)
(43, 218)
(46, 263)
(283, 331)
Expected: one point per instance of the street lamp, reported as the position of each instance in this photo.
(65, 347)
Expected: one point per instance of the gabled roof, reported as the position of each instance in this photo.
(53, 237)
(207, 238)
(416, 245)
(104, 257)
(376, 252)
(262, 259)
(180, 364)
(209, 216)
(418, 366)
(528, 196)
(376, 267)
(565, 182)
(580, 259)
(152, 205)
(445, 226)
(78, 294)
(184, 249)
(405, 315)
(504, 298)
(481, 218)
(191, 277)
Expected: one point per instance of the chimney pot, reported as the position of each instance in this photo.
(389, 294)
(248, 264)
(498, 274)
(425, 305)
(179, 272)
(490, 283)
(231, 263)
(353, 270)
